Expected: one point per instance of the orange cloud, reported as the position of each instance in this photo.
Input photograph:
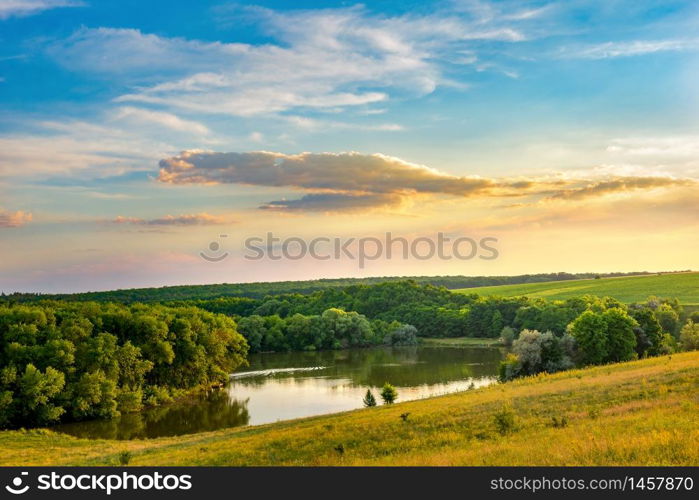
(14, 219)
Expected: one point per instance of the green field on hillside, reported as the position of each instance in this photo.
(636, 413)
(683, 286)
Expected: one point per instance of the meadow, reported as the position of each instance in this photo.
(627, 289)
(635, 413)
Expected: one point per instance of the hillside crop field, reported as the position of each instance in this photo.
(635, 413)
(683, 286)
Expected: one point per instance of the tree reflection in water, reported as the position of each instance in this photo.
(206, 413)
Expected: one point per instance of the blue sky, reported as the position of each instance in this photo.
(593, 103)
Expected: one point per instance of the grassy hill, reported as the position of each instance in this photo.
(637, 413)
(684, 286)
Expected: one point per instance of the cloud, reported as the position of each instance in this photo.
(355, 181)
(345, 172)
(619, 185)
(666, 147)
(20, 8)
(14, 219)
(631, 48)
(71, 146)
(167, 120)
(316, 59)
(202, 219)
(334, 202)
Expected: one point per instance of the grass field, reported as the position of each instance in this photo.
(637, 413)
(683, 286)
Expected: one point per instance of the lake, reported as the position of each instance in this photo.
(282, 386)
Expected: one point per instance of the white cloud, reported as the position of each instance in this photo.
(322, 59)
(18, 8)
(167, 120)
(610, 50)
(64, 148)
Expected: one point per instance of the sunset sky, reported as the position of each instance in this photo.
(133, 134)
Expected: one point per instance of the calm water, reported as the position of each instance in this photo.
(282, 386)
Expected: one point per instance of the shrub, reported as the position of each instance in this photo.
(125, 457)
(509, 368)
(505, 421)
(369, 399)
(389, 394)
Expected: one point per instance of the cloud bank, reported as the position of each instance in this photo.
(355, 181)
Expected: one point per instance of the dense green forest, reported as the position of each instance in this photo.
(263, 289)
(74, 361)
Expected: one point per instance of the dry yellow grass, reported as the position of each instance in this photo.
(638, 413)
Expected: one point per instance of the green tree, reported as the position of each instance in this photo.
(507, 335)
(621, 339)
(689, 336)
(668, 318)
(648, 333)
(590, 332)
(36, 397)
(388, 393)
(369, 399)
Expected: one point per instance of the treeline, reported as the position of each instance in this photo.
(263, 289)
(74, 361)
(606, 331)
(433, 311)
(333, 329)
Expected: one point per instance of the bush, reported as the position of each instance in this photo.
(509, 368)
(403, 335)
(505, 421)
(389, 394)
(125, 457)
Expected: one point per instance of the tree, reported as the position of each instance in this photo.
(369, 399)
(668, 318)
(402, 335)
(590, 332)
(689, 336)
(621, 339)
(496, 324)
(648, 333)
(507, 335)
(388, 393)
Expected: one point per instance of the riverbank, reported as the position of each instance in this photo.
(636, 413)
(460, 342)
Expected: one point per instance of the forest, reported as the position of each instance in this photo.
(74, 361)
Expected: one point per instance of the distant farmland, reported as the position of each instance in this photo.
(683, 286)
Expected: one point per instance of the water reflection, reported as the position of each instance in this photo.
(206, 413)
(281, 386)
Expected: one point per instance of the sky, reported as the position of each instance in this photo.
(143, 143)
